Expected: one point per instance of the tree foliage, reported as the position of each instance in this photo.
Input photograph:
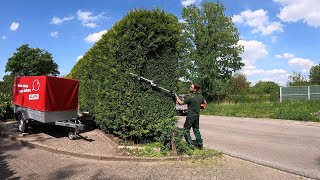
(144, 43)
(31, 62)
(266, 87)
(297, 79)
(211, 51)
(315, 75)
(6, 84)
(238, 83)
(6, 111)
(27, 61)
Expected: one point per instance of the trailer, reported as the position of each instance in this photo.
(48, 99)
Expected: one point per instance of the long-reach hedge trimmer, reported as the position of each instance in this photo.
(203, 106)
(151, 83)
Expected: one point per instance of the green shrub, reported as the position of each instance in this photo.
(6, 88)
(246, 98)
(145, 43)
(6, 110)
(250, 97)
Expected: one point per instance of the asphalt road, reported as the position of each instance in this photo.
(291, 146)
(20, 162)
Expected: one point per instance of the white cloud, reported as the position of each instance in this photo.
(79, 57)
(90, 25)
(278, 56)
(54, 34)
(307, 11)
(87, 18)
(189, 2)
(237, 19)
(285, 55)
(253, 72)
(279, 76)
(274, 39)
(253, 50)
(249, 67)
(56, 20)
(305, 64)
(259, 21)
(92, 38)
(302, 63)
(3, 37)
(288, 55)
(271, 72)
(14, 26)
(182, 21)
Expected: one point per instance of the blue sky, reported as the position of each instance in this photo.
(279, 36)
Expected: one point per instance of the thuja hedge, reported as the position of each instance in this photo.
(145, 42)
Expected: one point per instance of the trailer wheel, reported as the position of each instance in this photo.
(22, 123)
(71, 136)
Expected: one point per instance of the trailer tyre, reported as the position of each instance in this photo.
(71, 136)
(22, 123)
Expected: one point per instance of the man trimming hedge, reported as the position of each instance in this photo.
(194, 102)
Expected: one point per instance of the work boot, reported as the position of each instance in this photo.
(200, 146)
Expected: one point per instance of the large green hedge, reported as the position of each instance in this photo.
(145, 43)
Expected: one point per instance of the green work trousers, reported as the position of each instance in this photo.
(192, 122)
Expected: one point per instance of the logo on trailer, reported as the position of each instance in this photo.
(35, 85)
(33, 96)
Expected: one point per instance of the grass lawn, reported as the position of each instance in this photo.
(293, 110)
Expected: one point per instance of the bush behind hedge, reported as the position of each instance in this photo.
(145, 43)
(6, 109)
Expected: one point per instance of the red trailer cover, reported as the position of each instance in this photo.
(46, 93)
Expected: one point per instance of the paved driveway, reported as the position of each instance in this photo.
(291, 146)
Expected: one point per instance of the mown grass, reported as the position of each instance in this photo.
(292, 110)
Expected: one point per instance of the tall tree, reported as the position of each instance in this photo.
(238, 82)
(212, 47)
(315, 75)
(297, 79)
(266, 87)
(28, 61)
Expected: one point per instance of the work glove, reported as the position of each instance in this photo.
(173, 93)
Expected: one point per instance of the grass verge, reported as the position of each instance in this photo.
(154, 150)
(293, 110)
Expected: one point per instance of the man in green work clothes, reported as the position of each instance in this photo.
(194, 101)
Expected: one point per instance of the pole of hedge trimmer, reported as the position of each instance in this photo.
(150, 81)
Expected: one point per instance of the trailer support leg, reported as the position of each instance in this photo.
(75, 124)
